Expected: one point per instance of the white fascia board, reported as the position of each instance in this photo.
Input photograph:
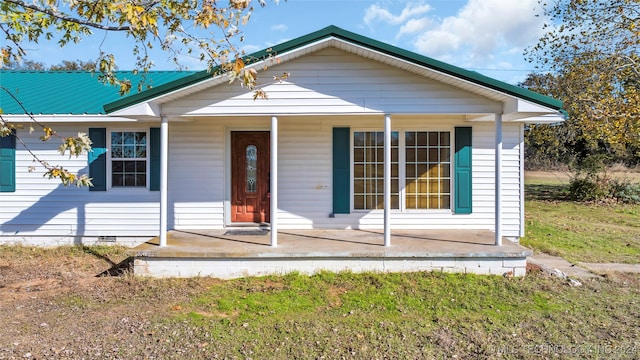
(543, 119)
(65, 118)
(538, 118)
(144, 109)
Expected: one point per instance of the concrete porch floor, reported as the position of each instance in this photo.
(238, 252)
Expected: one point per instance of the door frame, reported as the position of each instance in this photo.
(227, 173)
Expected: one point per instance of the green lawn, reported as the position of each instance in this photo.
(418, 315)
(579, 232)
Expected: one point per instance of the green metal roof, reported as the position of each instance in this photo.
(333, 31)
(68, 92)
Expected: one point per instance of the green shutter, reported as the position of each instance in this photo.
(341, 170)
(154, 159)
(8, 163)
(462, 170)
(98, 159)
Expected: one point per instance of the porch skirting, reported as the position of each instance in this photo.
(227, 255)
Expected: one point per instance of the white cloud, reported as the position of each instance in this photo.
(280, 27)
(482, 28)
(413, 26)
(375, 13)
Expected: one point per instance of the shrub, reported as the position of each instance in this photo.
(590, 182)
(626, 191)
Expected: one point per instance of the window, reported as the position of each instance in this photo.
(129, 159)
(368, 170)
(426, 165)
(427, 170)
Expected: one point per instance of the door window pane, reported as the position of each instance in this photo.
(252, 168)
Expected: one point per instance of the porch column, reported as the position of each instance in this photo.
(273, 211)
(498, 180)
(387, 179)
(164, 163)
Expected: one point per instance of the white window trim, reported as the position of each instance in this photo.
(402, 170)
(109, 159)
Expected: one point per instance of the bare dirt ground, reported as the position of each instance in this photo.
(64, 307)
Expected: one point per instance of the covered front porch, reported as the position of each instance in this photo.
(238, 252)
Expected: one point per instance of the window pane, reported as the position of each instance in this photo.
(445, 202)
(421, 155)
(444, 155)
(358, 186)
(444, 186)
(129, 151)
(412, 186)
(421, 170)
(411, 170)
(411, 202)
(141, 138)
(141, 166)
(433, 139)
(129, 180)
(116, 151)
(410, 138)
(117, 166)
(358, 139)
(141, 151)
(358, 155)
(358, 171)
(141, 179)
(410, 155)
(117, 180)
(433, 155)
(358, 202)
(444, 170)
(129, 166)
(422, 139)
(444, 138)
(128, 138)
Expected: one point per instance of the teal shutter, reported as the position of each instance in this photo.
(341, 170)
(463, 171)
(8, 163)
(98, 159)
(154, 159)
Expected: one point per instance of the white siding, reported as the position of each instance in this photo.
(42, 211)
(331, 81)
(198, 183)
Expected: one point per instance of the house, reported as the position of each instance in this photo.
(362, 135)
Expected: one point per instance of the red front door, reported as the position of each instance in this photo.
(250, 176)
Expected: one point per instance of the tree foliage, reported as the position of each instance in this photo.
(591, 52)
(201, 28)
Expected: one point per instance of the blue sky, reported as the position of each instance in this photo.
(487, 36)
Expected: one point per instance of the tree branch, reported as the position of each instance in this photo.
(65, 17)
